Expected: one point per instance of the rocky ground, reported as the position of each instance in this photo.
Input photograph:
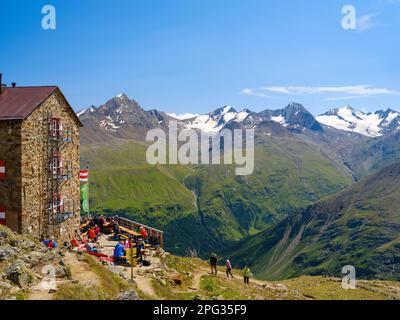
(25, 263)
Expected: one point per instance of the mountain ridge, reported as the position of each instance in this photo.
(294, 117)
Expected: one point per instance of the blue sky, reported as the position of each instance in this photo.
(194, 56)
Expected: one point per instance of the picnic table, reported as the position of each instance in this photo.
(131, 232)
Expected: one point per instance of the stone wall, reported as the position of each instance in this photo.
(34, 215)
(10, 188)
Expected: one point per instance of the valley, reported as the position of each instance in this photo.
(299, 161)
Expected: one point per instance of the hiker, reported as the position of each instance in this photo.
(52, 243)
(139, 249)
(228, 268)
(213, 263)
(246, 275)
(45, 242)
(119, 252)
(143, 232)
(92, 234)
(116, 229)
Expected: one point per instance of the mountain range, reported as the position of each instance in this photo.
(121, 113)
(299, 160)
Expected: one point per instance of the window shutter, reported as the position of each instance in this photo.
(2, 170)
(3, 216)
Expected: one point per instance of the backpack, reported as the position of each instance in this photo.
(146, 263)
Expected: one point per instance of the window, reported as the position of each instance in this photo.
(57, 205)
(2, 170)
(56, 127)
(56, 165)
(3, 216)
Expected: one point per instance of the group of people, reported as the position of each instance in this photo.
(122, 246)
(214, 262)
(49, 243)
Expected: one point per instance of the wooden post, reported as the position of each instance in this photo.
(162, 240)
(131, 248)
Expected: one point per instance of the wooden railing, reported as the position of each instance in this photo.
(154, 235)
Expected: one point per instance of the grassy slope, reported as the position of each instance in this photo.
(358, 227)
(288, 175)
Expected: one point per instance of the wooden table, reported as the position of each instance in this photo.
(131, 232)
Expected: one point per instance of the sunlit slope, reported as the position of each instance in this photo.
(359, 226)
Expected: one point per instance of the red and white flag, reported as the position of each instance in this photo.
(84, 175)
(2, 170)
(3, 216)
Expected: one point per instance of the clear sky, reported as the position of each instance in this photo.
(197, 55)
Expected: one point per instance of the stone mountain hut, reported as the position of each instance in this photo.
(39, 162)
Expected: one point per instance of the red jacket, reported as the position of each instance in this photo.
(92, 234)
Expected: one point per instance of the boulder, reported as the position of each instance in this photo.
(19, 274)
(177, 279)
(129, 295)
(62, 272)
(7, 253)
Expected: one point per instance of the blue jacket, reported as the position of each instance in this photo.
(119, 250)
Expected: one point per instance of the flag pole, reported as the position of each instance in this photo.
(87, 168)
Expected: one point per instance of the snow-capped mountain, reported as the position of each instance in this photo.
(120, 117)
(217, 120)
(294, 117)
(123, 117)
(369, 124)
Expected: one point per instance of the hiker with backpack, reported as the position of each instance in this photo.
(228, 268)
(247, 275)
(213, 263)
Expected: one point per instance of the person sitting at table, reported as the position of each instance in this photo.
(92, 235)
(97, 230)
(74, 243)
(127, 243)
(90, 247)
(102, 221)
(116, 229)
(119, 252)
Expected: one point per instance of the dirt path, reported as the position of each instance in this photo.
(80, 272)
(146, 286)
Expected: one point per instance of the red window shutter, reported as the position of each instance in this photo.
(3, 216)
(2, 170)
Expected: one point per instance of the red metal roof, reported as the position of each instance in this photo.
(19, 102)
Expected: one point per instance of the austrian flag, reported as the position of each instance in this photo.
(2, 170)
(84, 175)
(2, 216)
